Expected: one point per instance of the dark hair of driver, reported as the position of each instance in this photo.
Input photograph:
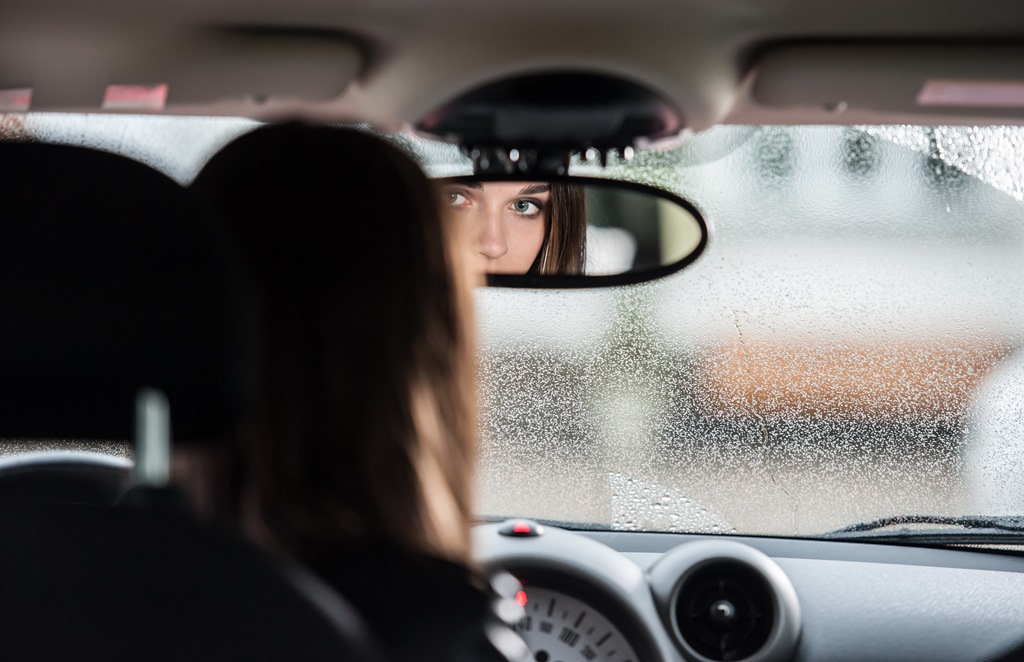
(366, 429)
(360, 459)
(565, 243)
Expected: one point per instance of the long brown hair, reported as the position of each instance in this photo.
(565, 242)
(366, 430)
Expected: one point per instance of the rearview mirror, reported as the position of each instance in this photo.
(571, 232)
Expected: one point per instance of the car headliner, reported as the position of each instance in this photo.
(392, 61)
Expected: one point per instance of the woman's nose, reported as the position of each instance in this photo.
(491, 241)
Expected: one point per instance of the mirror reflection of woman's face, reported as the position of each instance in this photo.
(505, 221)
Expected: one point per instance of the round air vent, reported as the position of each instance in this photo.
(725, 601)
(725, 611)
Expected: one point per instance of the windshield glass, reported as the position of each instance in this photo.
(847, 348)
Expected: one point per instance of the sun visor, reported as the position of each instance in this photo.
(912, 80)
(148, 72)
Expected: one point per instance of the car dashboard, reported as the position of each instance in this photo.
(631, 596)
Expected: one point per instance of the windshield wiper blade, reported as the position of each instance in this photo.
(968, 529)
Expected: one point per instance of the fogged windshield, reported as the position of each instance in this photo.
(848, 347)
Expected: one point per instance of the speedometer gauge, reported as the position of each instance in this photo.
(560, 628)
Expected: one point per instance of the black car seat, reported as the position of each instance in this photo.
(63, 476)
(119, 304)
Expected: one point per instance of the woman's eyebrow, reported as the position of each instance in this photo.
(468, 183)
(534, 189)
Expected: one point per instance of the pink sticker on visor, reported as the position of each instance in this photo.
(135, 97)
(15, 101)
(972, 94)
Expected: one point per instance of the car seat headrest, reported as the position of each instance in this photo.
(114, 280)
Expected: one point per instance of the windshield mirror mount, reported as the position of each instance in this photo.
(531, 125)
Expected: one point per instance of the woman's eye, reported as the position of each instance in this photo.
(526, 208)
(455, 199)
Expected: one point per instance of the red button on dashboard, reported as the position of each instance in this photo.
(521, 528)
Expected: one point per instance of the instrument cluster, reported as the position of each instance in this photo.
(705, 600)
